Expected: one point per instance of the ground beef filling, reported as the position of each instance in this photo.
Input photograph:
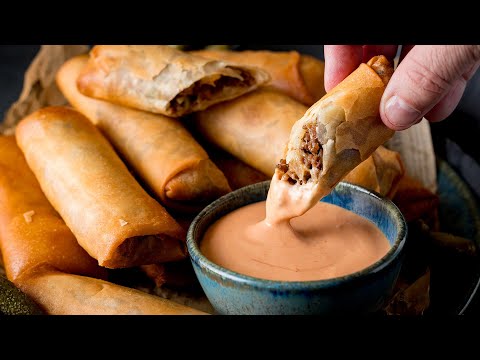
(202, 91)
(312, 153)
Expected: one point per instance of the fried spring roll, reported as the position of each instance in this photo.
(33, 236)
(254, 128)
(381, 172)
(335, 135)
(160, 149)
(164, 80)
(298, 75)
(110, 214)
(65, 294)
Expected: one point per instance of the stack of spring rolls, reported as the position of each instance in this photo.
(152, 136)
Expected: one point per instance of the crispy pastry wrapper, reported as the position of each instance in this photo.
(298, 75)
(164, 80)
(347, 124)
(254, 128)
(107, 210)
(381, 172)
(66, 294)
(159, 148)
(33, 236)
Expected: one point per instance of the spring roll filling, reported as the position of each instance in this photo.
(311, 152)
(208, 88)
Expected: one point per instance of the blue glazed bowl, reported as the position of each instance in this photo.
(361, 292)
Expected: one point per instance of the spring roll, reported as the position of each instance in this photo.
(33, 236)
(298, 75)
(254, 128)
(335, 135)
(107, 210)
(160, 149)
(381, 172)
(164, 80)
(66, 294)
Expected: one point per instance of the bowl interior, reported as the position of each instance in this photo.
(381, 211)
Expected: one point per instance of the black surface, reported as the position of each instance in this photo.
(455, 139)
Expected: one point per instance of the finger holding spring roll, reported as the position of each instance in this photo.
(335, 135)
(160, 149)
(110, 214)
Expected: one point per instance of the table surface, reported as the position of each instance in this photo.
(14, 60)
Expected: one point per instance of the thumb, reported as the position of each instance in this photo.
(422, 79)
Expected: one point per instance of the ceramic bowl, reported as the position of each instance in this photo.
(361, 292)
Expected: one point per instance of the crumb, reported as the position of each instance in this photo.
(28, 216)
(122, 222)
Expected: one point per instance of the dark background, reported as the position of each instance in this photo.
(456, 139)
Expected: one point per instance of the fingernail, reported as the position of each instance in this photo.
(400, 114)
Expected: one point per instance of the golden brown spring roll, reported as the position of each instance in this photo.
(254, 128)
(66, 294)
(33, 236)
(164, 80)
(297, 75)
(335, 135)
(110, 214)
(381, 172)
(160, 149)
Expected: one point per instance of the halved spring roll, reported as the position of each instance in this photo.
(298, 75)
(254, 128)
(160, 149)
(164, 80)
(335, 135)
(33, 236)
(110, 214)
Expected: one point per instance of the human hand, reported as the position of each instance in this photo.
(428, 82)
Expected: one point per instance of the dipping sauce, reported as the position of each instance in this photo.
(326, 241)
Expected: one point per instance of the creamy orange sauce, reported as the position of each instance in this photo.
(326, 241)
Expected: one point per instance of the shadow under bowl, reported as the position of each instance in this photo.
(362, 292)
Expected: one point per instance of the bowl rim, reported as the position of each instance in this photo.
(394, 254)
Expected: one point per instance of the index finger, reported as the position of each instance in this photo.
(341, 60)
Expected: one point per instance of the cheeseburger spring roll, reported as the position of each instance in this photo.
(110, 214)
(335, 135)
(164, 80)
(298, 75)
(33, 236)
